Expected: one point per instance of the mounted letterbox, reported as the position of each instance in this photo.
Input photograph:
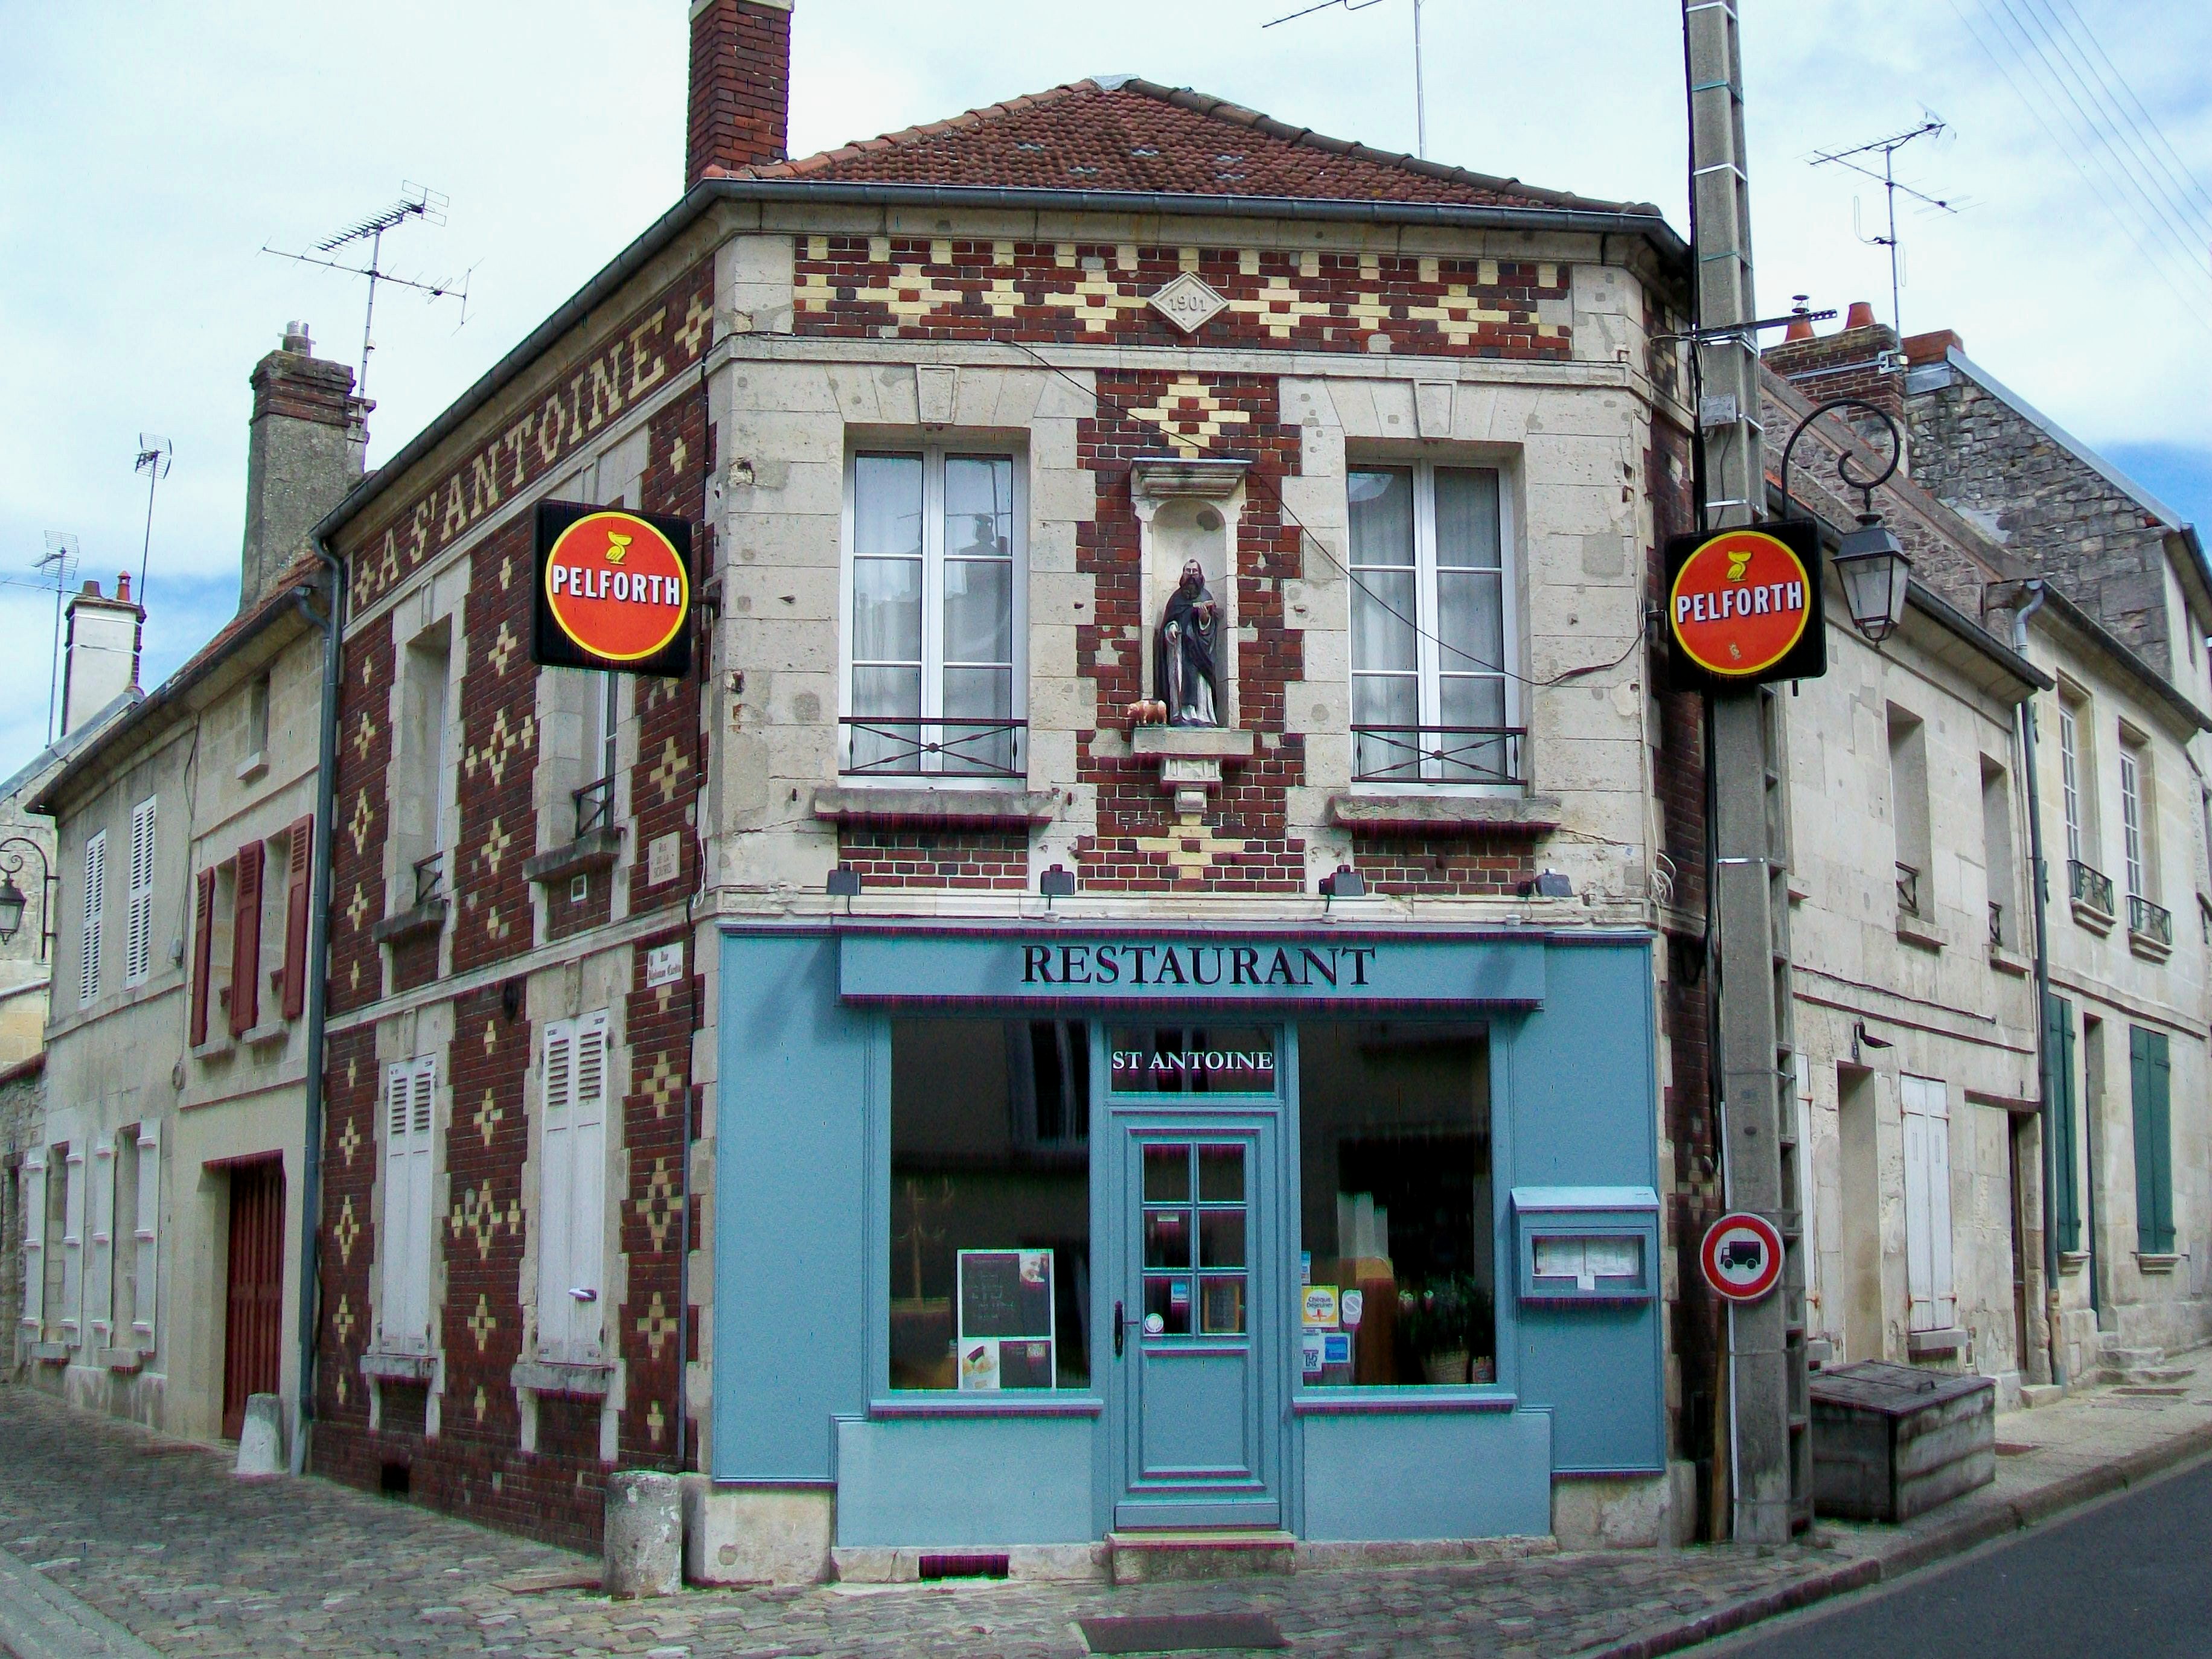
(1586, 1244)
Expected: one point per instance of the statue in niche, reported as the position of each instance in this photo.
(1184, 674)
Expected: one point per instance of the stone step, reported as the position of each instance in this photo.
(2032, 1394)
(2120, 1358)
(2145, 1376)
(1140, 1558)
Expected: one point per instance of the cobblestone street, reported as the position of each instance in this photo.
(159, 1537)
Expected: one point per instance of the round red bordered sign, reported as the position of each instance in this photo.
(617, 587)
(1742, 1256)
(1739, 603)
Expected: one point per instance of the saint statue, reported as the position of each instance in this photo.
(1184, 672)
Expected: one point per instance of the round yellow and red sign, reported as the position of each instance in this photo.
(617, 587)
(1739, 603)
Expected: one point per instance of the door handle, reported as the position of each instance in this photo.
(1120, 1325)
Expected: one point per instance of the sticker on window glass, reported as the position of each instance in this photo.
(1313, 1352)
(1350, 1305)
(979, 1366)
(1336, 1347)
(1319, 1307)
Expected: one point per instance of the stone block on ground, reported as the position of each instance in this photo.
(261, 1441)
(644, 1536)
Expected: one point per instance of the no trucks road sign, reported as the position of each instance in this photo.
(1742, 1256)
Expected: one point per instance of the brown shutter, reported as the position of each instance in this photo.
(245, 942)
(203, 955)
(302, 837)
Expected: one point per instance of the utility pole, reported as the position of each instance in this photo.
(1768, 1449)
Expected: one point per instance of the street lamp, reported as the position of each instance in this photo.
(12, 898)
(1870, 560)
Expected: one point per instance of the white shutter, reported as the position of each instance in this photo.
(556, 1184)
(1928, 1270)
(95, 906)
(587, 1150)
(422, 1108)
(99, 1250)
(396, 1247)
(35, 1238)
(138, 944)
(72, 1308)
(1939, 1207)
(148, 1231)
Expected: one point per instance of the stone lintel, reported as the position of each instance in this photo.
(595, 849)
(400, 1367)
(1161, 478)
(1440, 814)
(427, 917)
(1193, 742)
(552, 1376)
(923, 807)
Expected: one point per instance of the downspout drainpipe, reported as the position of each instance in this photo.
(331, 621)
(2044, 1060)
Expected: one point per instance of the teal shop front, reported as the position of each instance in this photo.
(1023, 1236)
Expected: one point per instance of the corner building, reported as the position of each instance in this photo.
(881, 1072)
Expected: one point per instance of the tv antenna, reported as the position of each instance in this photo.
(1420, 100)
(415, 201)
(61, 557)
(155, 454)
(1928, 128)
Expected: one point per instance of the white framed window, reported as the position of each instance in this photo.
(95, 908)
(934, 681)
(138, 919)
(410, 1089)
(1927, 1276)
(571, 1222)
(2135, 822)
(2073, 780)
(1434, 697)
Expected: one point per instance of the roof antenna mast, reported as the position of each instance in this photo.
(1420, 96)
(1886, 178)
(61, 555)
(415, 201)
(156, 453)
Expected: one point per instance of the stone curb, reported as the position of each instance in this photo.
(1911, 1554)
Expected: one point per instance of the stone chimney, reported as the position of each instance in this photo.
(303, 452)
(100, 655)
(740, 85)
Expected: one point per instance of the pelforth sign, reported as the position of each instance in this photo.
(614, 590)
(1743, 607)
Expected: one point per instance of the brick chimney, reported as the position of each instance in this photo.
(1860, 360)
(740, 85)
(303, 452)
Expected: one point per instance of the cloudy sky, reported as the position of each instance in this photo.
(147, 152)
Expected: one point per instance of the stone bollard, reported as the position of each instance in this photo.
(644, 1538)
(261, 1441)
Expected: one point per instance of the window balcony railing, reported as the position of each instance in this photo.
(1997, 924)
(1908, 890)
(595, 805)
(2088, 886)
(2150, 921)
(1438, 754)
(898, 747)
(429, 878)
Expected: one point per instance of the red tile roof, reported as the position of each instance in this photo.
(1117, 134)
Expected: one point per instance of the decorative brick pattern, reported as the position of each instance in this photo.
(1445, 867)
(346, 1244)
(659, 1024)
(356, 969)
(995, 858)
(480, 1236)
(491, 916)
(945, 289)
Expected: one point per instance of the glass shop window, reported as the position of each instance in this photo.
(990, 1200)
(1192, 1059)
(1394, 1208)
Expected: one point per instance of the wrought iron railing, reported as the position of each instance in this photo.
(429, 878)
(595, 805)
(2091, 887)
(1996, 924)
(1438, 754)
(2150, 921)
(1908, 890)
(903, 748)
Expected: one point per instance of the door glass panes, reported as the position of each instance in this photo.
(1210, 1059)
(990, 1205)
(1395, 1209)
(1193, 1238)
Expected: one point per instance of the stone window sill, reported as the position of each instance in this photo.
(2158, 1261)
(125, 1360)
(1928, 1344)
(589, 1382)
(2071, 1261)
(2148, 946)
(924, 808)
(1920, 932)
(595, 849)
(1376, 814)
(2089, 916)
(270, 1030)
(428, 917)
(400, 1367)
(253, 767)
(50, 1353)
(2006, 962)
(216, 1048)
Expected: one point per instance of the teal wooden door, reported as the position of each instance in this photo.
(1197, 1362)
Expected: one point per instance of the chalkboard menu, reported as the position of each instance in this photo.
(1006, 1324)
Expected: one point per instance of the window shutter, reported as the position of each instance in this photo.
(2063, 1205)
(150, 1224)
(2148, 1068)
(555, 1185)
(588, 1187)
(138, 918)
(34, 1239)
(2162, 1079)
(422, 1114)
(245, 942)
(99, 1245)
(394, 1245)
(1942, 1285)
(302, 837)
(1919, 1247)
(72, 1308)
(95, 907)
(203, 955)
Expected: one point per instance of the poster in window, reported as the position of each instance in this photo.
(1006, 1319)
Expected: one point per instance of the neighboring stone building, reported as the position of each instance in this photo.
(704, 1052)
(169, 1160)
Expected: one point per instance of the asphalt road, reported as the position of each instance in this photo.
(2128, 1576)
